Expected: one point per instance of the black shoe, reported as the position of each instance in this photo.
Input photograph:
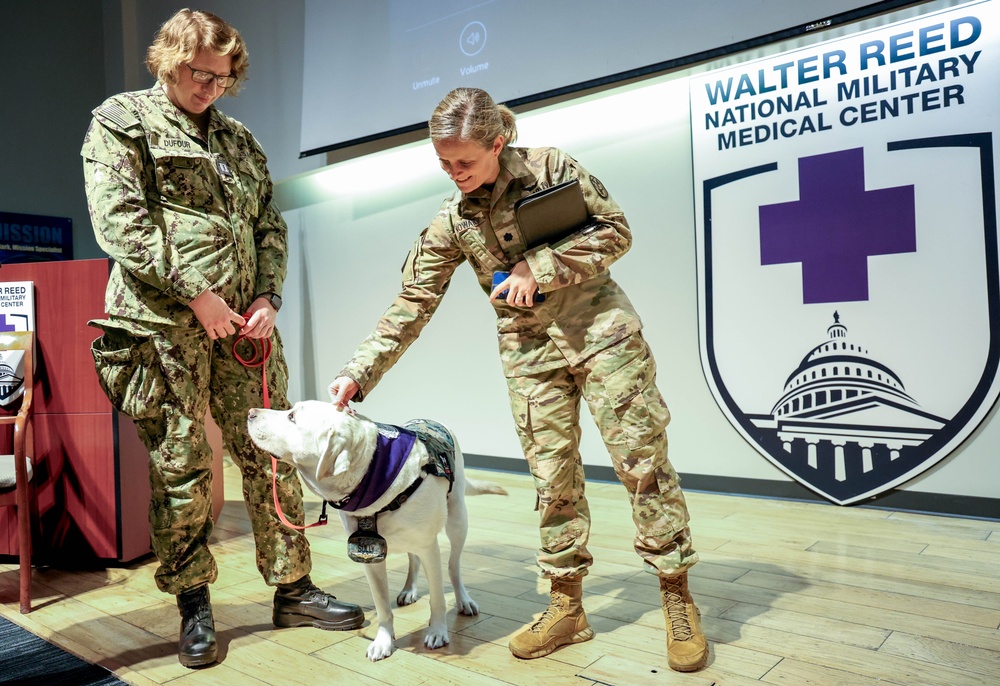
(301, 603)
(197, 645)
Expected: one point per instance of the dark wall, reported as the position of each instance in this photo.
(61, 58)
(52, 76)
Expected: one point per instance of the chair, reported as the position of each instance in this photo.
(16, 470)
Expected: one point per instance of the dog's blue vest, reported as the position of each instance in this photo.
(391, 450)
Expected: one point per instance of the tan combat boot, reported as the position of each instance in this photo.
(562, 623)
(687, 649)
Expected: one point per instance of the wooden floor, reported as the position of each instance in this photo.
(791, 593)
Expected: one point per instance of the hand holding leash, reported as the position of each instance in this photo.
(215, 315)
(260, 320)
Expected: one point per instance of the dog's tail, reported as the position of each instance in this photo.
(476, 487)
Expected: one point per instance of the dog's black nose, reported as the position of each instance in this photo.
(252, 413)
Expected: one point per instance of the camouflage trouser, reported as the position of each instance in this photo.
(619, 386)
(199, 373)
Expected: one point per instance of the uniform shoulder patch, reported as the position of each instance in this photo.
(115, 115)
(599, 187)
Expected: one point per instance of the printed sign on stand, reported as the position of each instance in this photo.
(17, 313)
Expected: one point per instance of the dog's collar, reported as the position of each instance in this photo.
(391, 450)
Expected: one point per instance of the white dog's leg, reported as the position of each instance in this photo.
(437, 630)
(408, 595)
(457, 528)
(385, 639)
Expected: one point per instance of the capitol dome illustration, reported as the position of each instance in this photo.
(844, 413)
(10, 382)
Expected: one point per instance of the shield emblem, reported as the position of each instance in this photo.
(849, 307)
(11, 376)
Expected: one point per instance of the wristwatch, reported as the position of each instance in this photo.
(272, 298)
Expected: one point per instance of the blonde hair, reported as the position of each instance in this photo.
(184, 34)
(469, 114)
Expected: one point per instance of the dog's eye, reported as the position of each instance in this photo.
(291, 416)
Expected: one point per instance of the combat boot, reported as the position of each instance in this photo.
(197, 646)
(562, 623)
(687, 648)
(302, 603)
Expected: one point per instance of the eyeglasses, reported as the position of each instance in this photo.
(199, 76)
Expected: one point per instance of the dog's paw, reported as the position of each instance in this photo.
(467, 606)
(382, 647)
(407, 596)
(434, 639)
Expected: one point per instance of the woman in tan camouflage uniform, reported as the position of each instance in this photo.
(181, 199)
(582, 341)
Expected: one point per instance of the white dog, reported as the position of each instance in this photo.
(334, 452)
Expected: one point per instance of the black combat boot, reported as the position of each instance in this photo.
(301, 603)
(197, 645)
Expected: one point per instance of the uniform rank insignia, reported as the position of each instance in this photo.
(224, 169)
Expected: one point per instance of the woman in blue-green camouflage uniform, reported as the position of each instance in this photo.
(583, 340)
(181, 199)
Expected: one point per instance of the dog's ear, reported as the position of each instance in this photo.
(342, 463)
(336, 459)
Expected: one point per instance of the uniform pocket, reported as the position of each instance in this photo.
(520, 408)
(409, 270)
(184, 179)
(128, 371)
(635, 409)
(254, 186)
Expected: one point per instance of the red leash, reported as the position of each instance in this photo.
(261, 352)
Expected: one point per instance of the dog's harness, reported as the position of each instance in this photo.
(391, 450)
(394, 443)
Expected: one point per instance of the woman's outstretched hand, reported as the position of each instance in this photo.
(342, 390)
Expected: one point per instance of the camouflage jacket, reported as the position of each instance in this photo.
(178, 214)
(584, 310)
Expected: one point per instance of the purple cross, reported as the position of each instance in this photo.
(4, 326)
(836, 225)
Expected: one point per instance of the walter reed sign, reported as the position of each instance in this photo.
(17, 313)
(847, 248)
